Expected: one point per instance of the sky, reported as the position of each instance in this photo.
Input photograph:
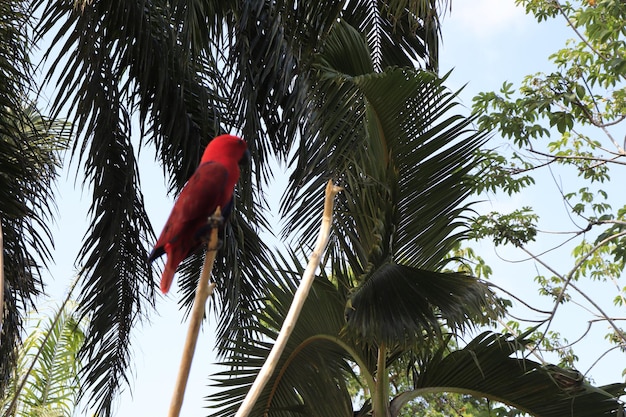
(485, 42)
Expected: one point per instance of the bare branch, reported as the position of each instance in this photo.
(578, 157)
(204, 290)
(510, 294)
(296, 306)
(611, 322)
(599, 358)
(567, 281)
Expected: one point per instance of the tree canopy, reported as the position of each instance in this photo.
(564, 129)
(348, 91)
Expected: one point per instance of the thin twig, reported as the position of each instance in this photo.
(204, 290)
(600, 358)
(567, 281)
(491, 284)
(580, 157)
(618, 331)
(296, 306)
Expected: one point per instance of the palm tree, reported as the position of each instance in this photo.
(29, 160)
(333, 83)
(45, 381)
(312, 376)
(190, 70)
(405, 166)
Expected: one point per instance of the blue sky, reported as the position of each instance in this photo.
(485, 42)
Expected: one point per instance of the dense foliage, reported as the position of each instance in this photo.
(341, 90)
(565, 131)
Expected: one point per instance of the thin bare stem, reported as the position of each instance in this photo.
(296, 306)
(580, 157)
(567, 281)
(618, 331)
(204, 290)
(600, 358)
(510, 294)
(381, 399)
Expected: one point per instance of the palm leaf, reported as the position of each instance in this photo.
(113, 259)
(311, 376)
(485, 368)
(401, 305)
(30, 147)
(272, 46)
(48, 359)
(111, 53)
(390, 139)
(21, 270)
(399, 33)
(269, 56)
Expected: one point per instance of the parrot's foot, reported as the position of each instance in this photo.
(215, 221)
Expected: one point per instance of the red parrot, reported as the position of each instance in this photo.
(210, 186)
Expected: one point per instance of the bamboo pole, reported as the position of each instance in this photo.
(296, 306)
(204, 290)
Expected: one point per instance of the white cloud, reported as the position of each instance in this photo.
(485, 18)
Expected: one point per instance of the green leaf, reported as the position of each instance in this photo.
(310, 378)
(485, 368)
(401, 305)
(49, 366)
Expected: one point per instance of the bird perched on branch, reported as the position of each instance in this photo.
(210, 186)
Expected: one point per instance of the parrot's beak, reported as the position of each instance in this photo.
(245, 159)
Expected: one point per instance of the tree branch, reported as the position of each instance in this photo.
(296, 306)
(575, 29)
(204, 290)
(580, 157)
(567, 280)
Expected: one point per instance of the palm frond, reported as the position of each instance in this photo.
(271, 49)
(405, 306)
(136, 47)
(113, 255)
(20, 283)
(114, 266)
(48, 359)
(30, 146)
(485, 368)
(392, 140)
(311, 376)
(399, 33)
(115, 57)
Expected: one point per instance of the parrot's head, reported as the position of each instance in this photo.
(226, 147)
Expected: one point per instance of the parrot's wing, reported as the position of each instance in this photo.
(205, 190)
(200, 197)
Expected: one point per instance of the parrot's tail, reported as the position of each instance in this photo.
(167, 278)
